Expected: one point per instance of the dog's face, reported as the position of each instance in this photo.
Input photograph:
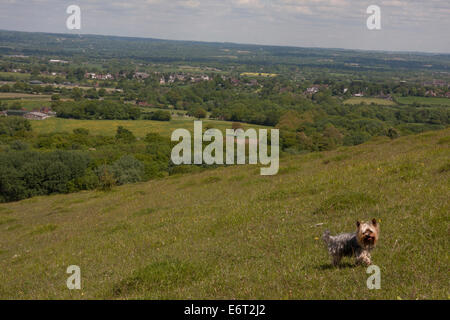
(367, 233)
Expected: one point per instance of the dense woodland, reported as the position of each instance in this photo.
(33, 165)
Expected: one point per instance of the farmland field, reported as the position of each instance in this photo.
(31, 104)
(139, 127)
(21, 76)
(27, 101)
(14, 95)
(258, 74)
(15, 75)
(424, 100)
(378, 101)
(179, 237)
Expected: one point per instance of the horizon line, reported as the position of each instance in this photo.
(234, 43)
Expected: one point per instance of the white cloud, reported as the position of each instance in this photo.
(326, 23)
(190, 3)
(248, 3)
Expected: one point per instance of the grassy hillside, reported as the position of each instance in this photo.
(231, 233)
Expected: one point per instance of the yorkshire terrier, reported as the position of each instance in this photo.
(358, 244)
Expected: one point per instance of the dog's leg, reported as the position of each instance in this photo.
(336, 260)
(363, 257)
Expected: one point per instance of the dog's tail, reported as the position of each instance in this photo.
(326, 236)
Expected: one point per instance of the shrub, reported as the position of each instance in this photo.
(19, 145)
(12, 126)
(96, 109)
(24, 174)
(392, 133)
(127, 170)
(81, 131)
(105, 178)
(356, 138)
(88, 181)
(159, 115)
(124, 135)
(200, 113)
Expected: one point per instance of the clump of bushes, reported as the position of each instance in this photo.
(30, 165)
(14, 126)
(159, 115)
(127, 170)
(25, 174)
(96, 110)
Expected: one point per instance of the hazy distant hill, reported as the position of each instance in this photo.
(156, 50)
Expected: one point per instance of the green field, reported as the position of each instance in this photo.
(230, 233)
(176, 114)
(139, 127)
(258, 74)
(25, 96)
(33, 104)
(424, 100)
(27, 101)
(378, 101)
(17, 76)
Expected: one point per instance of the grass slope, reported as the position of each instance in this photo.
(231, 233)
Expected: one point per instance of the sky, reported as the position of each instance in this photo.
(406, 25)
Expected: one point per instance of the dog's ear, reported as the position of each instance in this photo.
(374, 222)
(358, 224)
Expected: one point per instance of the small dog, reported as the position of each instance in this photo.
(358, 244)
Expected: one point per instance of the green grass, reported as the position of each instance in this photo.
(144, 212)
(258, 74)
(30, 104)
(139, 127)
(229, 233)
(424, 100)
(7, 220)
(16, 75)
(346, 201)
(400, 100)
(43, 229)
(156, 280)
(176, 114)
(28, 101)
(14, 95)
(377, 101)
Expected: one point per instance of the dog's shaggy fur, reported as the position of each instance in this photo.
(358, 244)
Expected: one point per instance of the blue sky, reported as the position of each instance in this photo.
(406, 25)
